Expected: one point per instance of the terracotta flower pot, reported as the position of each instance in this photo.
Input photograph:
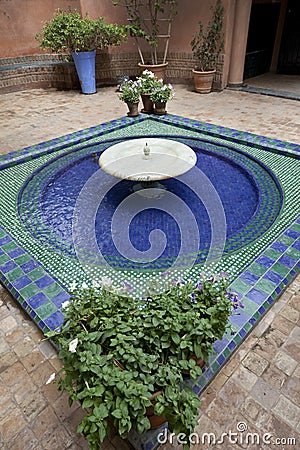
(155, 421)
(199, 362)
(159, 70)
(160, 108)
(133, 109)
(148, 104)
(203, 81)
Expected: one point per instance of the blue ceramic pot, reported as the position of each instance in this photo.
(86, 70)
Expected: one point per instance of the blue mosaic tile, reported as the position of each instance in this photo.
(249, 277)
(37, 300)
(44, 281)
(273, 276)
(265, 261)
(30, 266)
(19, 283)
(287, 261)
(257, 296)
(16, 252)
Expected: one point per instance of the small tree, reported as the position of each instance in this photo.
(68, 32)
(147, 18)
(208, 43)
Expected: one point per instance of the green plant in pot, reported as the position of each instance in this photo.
(130, 92)
(207, 45)
(67, 32)
(151, 22)
(160, 95)
(188, 317)
(148, 81)
(125, 357)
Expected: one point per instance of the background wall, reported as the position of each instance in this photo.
(20, 20)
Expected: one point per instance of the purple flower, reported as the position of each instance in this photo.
(199, 286)
(192, 296)
(165, 274)
(127, 286)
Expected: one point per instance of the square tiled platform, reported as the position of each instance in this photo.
(259, 272)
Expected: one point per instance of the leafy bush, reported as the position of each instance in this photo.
(68, 32)
(118, 351)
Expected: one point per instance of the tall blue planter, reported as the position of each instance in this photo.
(86, 70)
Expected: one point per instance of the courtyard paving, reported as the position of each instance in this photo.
(257, 390)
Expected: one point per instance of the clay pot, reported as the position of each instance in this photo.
(155, 421)
(160, 108)
(203, 81)
(133, 109)
(159, 70)
(148, 104)
(199, 362)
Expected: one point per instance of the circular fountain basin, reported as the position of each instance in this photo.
(249, 194)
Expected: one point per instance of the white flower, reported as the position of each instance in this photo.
(84, 286)
(106, 281)
(72, 345)
(73, 286)
(51, 378)
(95, 284)
(65, 304)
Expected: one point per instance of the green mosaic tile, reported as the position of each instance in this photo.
(256, 315)
(15, 274)
(215, 367)
(53, 290)
(247, 327)
(296, 227)
(265, 286)
(36, 274)
(46, 310)
(287, 240)
(9, 246)
(273, 254)
(23, 259)
(293, 253)
(249, 306)
(240, 286)
(280, 269)
(237, 339)
(2, 233)
(257, 269)
(29, 291)
(4, 259)
(226, 352)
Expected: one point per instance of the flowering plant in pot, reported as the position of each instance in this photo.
(130, 92)
(148, 81)
(207, 45)
(120, 351)
(160, 94)
(67, 32)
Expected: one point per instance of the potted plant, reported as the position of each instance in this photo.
(67, 32)
(125, 357)
(206, 46)
(160, 94)
(151, 22)
(148, 81)
(130, 92)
